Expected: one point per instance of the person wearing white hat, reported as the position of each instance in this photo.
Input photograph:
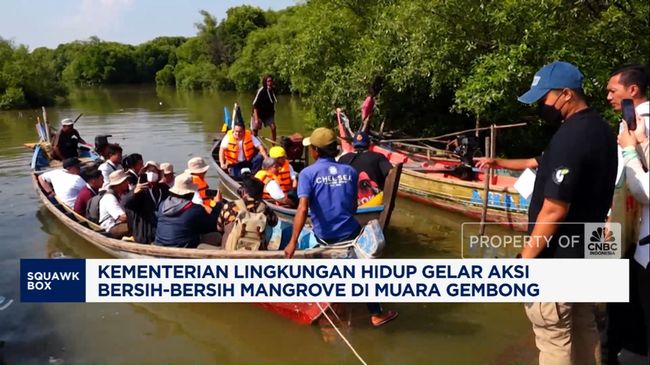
(181, 222)
(167, 170)
(143, 201)
(112, 217)
(67, 140)
(197, 167)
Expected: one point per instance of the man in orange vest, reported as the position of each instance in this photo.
(240, 148)
(197, 168)
(269, 176)
(286, 176)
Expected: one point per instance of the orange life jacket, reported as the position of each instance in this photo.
(264, 176)
(232, 152)
(284, 177)
(203, 189)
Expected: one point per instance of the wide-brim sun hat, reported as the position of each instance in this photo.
(197, 165)
(117, 177)
(183, 185)
(167, 168)
(151, 163)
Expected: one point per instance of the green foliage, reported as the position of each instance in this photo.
(445, 63)
(26, 78)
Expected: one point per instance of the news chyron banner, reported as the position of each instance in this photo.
(299, 280)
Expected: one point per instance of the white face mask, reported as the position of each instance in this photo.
(152, 176)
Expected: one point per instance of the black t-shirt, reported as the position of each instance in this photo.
(578, 167)
(264, 102)
(68, 143)
(374, 164)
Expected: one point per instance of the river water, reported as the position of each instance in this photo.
(167, 126)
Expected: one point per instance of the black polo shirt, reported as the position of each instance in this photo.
(372, 163)
(578, 167)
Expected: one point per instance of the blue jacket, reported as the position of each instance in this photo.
(181, 222)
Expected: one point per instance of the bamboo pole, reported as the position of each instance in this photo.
(47, 127)
(503, 126)
(489, 149)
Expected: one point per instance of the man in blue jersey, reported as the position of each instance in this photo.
(328, 191)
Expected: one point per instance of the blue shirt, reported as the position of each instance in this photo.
(332, 191)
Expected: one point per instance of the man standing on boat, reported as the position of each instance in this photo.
(67, 140)
(574, 184)
(264, 107)
(328, 189)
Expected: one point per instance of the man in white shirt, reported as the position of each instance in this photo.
(66, 183)
(240, 148)
(624, 326)
(113, 160)
(112, 217)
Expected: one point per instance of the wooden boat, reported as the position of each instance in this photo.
(428, 179)
(364, 215)
(302, 313)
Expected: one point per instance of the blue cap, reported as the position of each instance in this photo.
(556, 75)
(361, 140)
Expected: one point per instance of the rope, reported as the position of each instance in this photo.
(340, 334)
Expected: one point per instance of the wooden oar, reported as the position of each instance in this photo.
(77, 118)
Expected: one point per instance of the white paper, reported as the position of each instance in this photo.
(526, 183)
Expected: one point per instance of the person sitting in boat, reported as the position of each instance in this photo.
(112, 217)
(132, 164)
(64, 183)
(67, 140)
(268, 175)
(251, 195)
(197, 167)
(112, 163)
(286, 176)
(327, 190)
(167, 176)
(240, 148)
(141, 204)
(182, 222)
(94, 182)
(372, 167)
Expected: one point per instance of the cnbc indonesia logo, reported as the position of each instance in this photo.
(601, 241)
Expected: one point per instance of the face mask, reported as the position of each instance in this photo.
(152, 176)
(550, 114)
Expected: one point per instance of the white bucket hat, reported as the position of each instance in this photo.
(151, 163)
(117, 177)
(67, 121)
(183, 185)
(167, 168)
(197, 165)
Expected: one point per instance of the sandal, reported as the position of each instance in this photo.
(383, 318)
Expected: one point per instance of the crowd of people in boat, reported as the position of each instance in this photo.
(145, 202)
(135, 200)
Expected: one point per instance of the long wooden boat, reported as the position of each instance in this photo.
(302, 313)
(364, 215)
(427, 179)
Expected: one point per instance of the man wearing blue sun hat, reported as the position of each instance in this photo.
(574, 184)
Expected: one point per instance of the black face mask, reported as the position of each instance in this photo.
(549, 113)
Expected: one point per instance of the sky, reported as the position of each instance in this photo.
(48, 23)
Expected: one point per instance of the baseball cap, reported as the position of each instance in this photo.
(555, 75)
(320, 137)
(361, 140)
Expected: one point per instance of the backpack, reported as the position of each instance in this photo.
(92, 208)
(248, 229)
